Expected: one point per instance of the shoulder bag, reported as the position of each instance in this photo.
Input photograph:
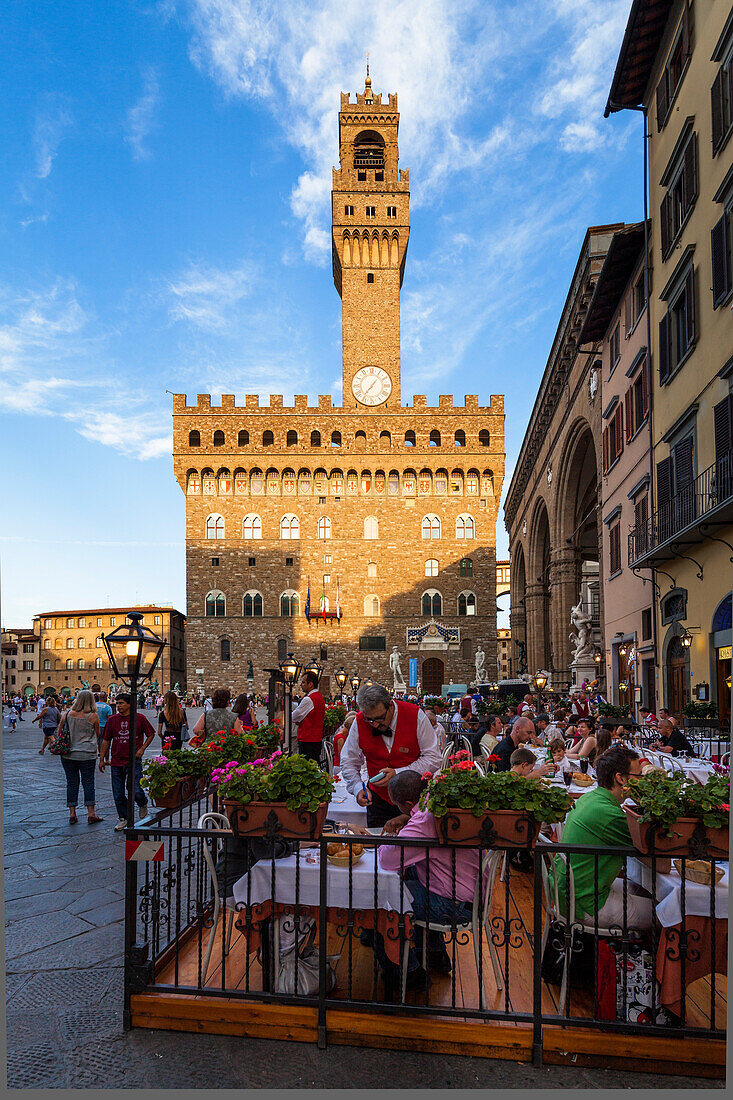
(61, 743)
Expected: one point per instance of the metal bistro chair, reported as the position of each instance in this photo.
(458, 743)
(486, 753)
(218, 824)
(327, 755)
(479, 924)
(670, 764)
(725, 760)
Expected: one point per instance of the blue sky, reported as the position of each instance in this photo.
(165, 225)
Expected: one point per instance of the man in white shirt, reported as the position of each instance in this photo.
(389, 736)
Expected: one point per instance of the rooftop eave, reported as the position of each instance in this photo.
(642, 38)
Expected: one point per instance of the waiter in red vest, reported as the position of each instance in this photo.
(389, 735)
(308, 718)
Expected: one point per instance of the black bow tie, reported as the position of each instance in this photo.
(380, 733)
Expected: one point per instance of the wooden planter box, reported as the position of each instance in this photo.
(274, 819)
(184, 790)
(498, 829)
(689, 837)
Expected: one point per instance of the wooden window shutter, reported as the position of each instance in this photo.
(717, 99)
(723, 420)
(690, 304)
(664, 482)
(645, 388)
(628, 401)
(688, 30)
(619, 418)
(662, 100)
(683, 468)
(629, 318)
(721, 264)
(690, 170)
(605, 450)
(664, 349)
(665, 218)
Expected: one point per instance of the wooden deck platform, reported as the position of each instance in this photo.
(218, 1012)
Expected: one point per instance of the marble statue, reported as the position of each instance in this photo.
(177, 687)
(581, 623)
(85, 685)
(480, 663)
(394, 664)
(250, 671)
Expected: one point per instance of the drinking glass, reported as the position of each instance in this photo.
(584, 766)
(567, 777)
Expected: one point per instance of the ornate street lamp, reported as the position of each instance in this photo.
(341, 678)
(314, 668)
(622, 649)
(597, 656)
(539, 681)
(354, 681)
(686, 639)
(290, 669)
(134, 651)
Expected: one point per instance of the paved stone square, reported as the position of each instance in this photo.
(64, 942)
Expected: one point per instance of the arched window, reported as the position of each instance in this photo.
(385, 439)
(81, 643)
(371, 606)
(47, 665)
(465, 528)
(484, 438)
(224, 479)
(360, 440)
(291, 439)
(99, 663)
(460, 438)
(81, 663)
(57, 643)
(335, 439)
(466, 567)
(431, 567)
(98, 642)
(371, 569)
(435, 438)
(315, 442)
(324, 528)
(215, 526)
(243, 438)
(251, 526)
(69, 664)
(215, 605)
(371, 527)
(69, 643)
(289, 604)
(282, 648)
(432, 602)
(268, 439)
(290, 527)
(431, 527)
(47, 643)
(252, 605)
(218, 439)
(466, 603)
(194, 439)
(409, 439)
(226, 650)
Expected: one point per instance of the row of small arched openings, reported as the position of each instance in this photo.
(370, 250)
(287, 483)
(360, 438)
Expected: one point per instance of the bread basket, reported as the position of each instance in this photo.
(698, 870)
(341, 858)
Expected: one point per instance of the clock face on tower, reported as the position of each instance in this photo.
(371, 385)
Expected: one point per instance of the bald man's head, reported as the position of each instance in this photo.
(523, 730)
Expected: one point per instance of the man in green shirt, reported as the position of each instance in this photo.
(597, 819)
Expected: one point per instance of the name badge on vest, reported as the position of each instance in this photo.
(403, 748)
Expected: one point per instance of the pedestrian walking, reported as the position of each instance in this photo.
(172, 721)
(218, 717)
(48, 719)
(78, 763)
(104, 711)
(245, 709)
(117, 736)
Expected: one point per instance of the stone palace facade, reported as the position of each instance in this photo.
(385, 513)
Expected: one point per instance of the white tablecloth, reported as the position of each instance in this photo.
(344, 807)
(699, 770)
(362, 891)
(668, 890)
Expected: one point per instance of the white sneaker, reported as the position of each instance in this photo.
(121, 824)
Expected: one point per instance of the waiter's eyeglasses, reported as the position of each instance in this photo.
(376, 721)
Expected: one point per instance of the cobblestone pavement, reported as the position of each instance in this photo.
(64, 941)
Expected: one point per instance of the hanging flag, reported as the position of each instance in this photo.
(323, 601)
(308, 603)
(338, 601)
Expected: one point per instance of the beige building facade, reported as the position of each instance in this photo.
(72, 653)
(676, 62)
(553, 502)
(20, 655)
(346, 534)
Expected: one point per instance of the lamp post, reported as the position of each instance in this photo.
(355, 682)
(290, 669)
(686, 639)
(341, 678)
(133, 651)
(539, 682)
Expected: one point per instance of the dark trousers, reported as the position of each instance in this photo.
(119, 783)
(79, 770)
(379, 812)
(311, 749)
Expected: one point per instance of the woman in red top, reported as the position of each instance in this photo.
(340, 736)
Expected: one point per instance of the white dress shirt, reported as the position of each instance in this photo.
(352, 758)
(305, 706)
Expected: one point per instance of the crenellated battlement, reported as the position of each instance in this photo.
(276, 404)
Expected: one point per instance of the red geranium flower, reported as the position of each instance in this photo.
(494, 756)
(724, 806)
(426, 775)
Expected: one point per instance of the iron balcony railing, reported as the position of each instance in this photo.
(692, 504)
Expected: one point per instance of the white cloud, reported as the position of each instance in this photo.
(204, 296)
(53, 118)
(140, 116)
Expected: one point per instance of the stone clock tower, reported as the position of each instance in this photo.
(371, 229)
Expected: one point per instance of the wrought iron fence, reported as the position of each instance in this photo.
(702, 496)
(430, 934)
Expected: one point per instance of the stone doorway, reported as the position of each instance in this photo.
(676, 677)
(433, 676)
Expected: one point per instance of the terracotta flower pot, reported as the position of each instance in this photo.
(184, 790)
(497, 829)
(688, 837)
(274, 819)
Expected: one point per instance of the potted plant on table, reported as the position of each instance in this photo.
(174, 777)
(671, 813)
(278, 796)
(498, 810)
(700, 715)
(610, 716)
(333, 719)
